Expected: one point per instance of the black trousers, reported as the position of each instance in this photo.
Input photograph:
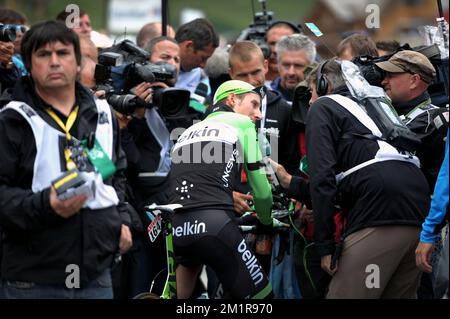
(307, 261)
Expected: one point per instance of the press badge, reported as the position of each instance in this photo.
(100, 159)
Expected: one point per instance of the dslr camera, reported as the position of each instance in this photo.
(7, 33)
(125, 65)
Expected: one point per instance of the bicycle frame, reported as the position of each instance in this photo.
(170, 288)
(161, 217)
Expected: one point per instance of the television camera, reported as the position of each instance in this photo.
(123, 66)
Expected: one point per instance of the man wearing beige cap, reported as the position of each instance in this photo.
(408, 75)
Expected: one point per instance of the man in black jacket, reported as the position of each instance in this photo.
(52, 245)
(247, 64)
(384, 201)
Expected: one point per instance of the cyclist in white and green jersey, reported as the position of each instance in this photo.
(205, 167)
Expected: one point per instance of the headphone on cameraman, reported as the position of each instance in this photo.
(322, 82)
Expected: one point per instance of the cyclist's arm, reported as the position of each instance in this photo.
(256, 175)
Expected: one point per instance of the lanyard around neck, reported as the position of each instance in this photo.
(70, 121)
(66, 128)
(426, 102)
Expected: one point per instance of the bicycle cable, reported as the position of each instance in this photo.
(304, 251)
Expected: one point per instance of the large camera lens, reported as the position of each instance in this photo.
(7, 34)
(124, 104)
(173, 103)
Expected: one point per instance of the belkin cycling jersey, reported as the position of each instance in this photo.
(205, 165)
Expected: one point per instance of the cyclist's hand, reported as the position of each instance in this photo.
(240, 202)
(277, 224)
(271, 227)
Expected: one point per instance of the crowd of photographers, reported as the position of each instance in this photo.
(361, 167)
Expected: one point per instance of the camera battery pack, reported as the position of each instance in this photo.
(73, 183)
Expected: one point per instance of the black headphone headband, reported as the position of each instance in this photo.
(296, 27)
(322, 82)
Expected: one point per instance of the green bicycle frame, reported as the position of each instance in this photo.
(170, 288)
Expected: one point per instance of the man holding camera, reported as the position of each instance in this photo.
(146, 141)
(12, 29)
(54, 127)
(383, 201)
(408, 75)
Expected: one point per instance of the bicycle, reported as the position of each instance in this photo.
(161, 221)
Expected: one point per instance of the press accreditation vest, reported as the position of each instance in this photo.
(47, 164)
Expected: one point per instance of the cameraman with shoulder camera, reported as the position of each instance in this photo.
(146, 141)
(61, 186)
(408, 75)
(383, 201)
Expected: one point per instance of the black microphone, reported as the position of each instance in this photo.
(201, 92)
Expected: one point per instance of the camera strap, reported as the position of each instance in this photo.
(415, 112)
(161, 134)
(70, 164)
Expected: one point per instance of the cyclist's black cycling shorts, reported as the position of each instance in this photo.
(212, 237)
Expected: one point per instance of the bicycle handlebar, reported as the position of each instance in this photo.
(249, 223)
(254, 229)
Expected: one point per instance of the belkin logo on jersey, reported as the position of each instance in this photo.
(188, 229)
(206, 131)
(251, 263)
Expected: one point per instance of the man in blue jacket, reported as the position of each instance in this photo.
(437, 214)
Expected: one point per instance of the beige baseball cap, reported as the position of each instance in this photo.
(409, 61)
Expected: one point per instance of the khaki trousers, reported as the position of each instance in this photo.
(378, 262)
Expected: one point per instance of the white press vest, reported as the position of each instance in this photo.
(47, 165)
(386, 151)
